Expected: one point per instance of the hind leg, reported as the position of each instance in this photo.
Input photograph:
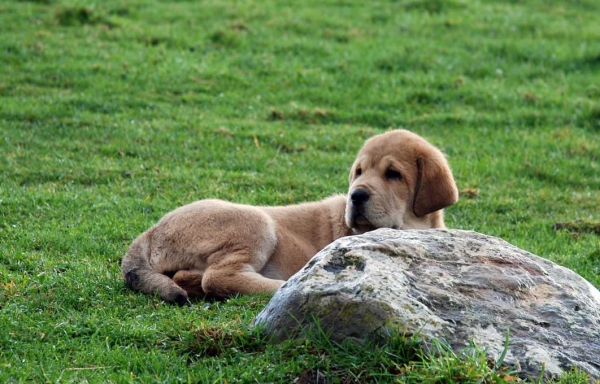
(237, 278)
(191, 282)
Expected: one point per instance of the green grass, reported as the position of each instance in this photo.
(113, 113)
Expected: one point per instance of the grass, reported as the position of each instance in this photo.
(113, 113)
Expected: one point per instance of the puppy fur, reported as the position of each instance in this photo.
(217, 248)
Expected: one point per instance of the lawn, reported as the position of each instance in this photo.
(113, 113)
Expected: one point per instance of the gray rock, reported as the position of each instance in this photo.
(446, 284)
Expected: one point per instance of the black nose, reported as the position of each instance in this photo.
(359, 196)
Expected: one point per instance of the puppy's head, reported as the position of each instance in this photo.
(398, 179)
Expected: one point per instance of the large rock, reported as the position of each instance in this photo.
(446, 284)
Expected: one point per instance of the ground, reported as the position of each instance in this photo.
(113, 113)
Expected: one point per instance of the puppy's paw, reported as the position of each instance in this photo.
(191, 282)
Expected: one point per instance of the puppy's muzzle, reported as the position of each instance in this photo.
(357, 210)
(359, 197)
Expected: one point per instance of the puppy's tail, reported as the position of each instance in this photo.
(140, 276)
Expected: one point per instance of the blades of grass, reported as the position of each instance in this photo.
(505, 350)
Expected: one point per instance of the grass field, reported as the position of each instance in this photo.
(113, 113)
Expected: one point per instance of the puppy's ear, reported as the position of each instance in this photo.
(435, 188)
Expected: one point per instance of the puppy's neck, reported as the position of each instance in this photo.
(431, 220)
(337, 211)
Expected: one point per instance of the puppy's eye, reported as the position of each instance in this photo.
(391, 174)
(358, 172)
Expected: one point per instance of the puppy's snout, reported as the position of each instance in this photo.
(359, 196)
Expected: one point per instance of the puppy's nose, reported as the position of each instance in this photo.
(359, 196)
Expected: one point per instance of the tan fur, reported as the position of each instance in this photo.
(217, 248)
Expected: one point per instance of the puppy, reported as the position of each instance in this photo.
(217, 248)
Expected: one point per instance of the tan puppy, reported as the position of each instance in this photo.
(216, 248)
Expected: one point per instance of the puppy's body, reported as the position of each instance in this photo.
(219, 248)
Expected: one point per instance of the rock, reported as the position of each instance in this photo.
(446, 284)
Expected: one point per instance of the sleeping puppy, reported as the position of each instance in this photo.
(217, 248)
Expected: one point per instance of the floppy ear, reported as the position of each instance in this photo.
(435, 188)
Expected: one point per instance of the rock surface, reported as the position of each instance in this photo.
(446, 284)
